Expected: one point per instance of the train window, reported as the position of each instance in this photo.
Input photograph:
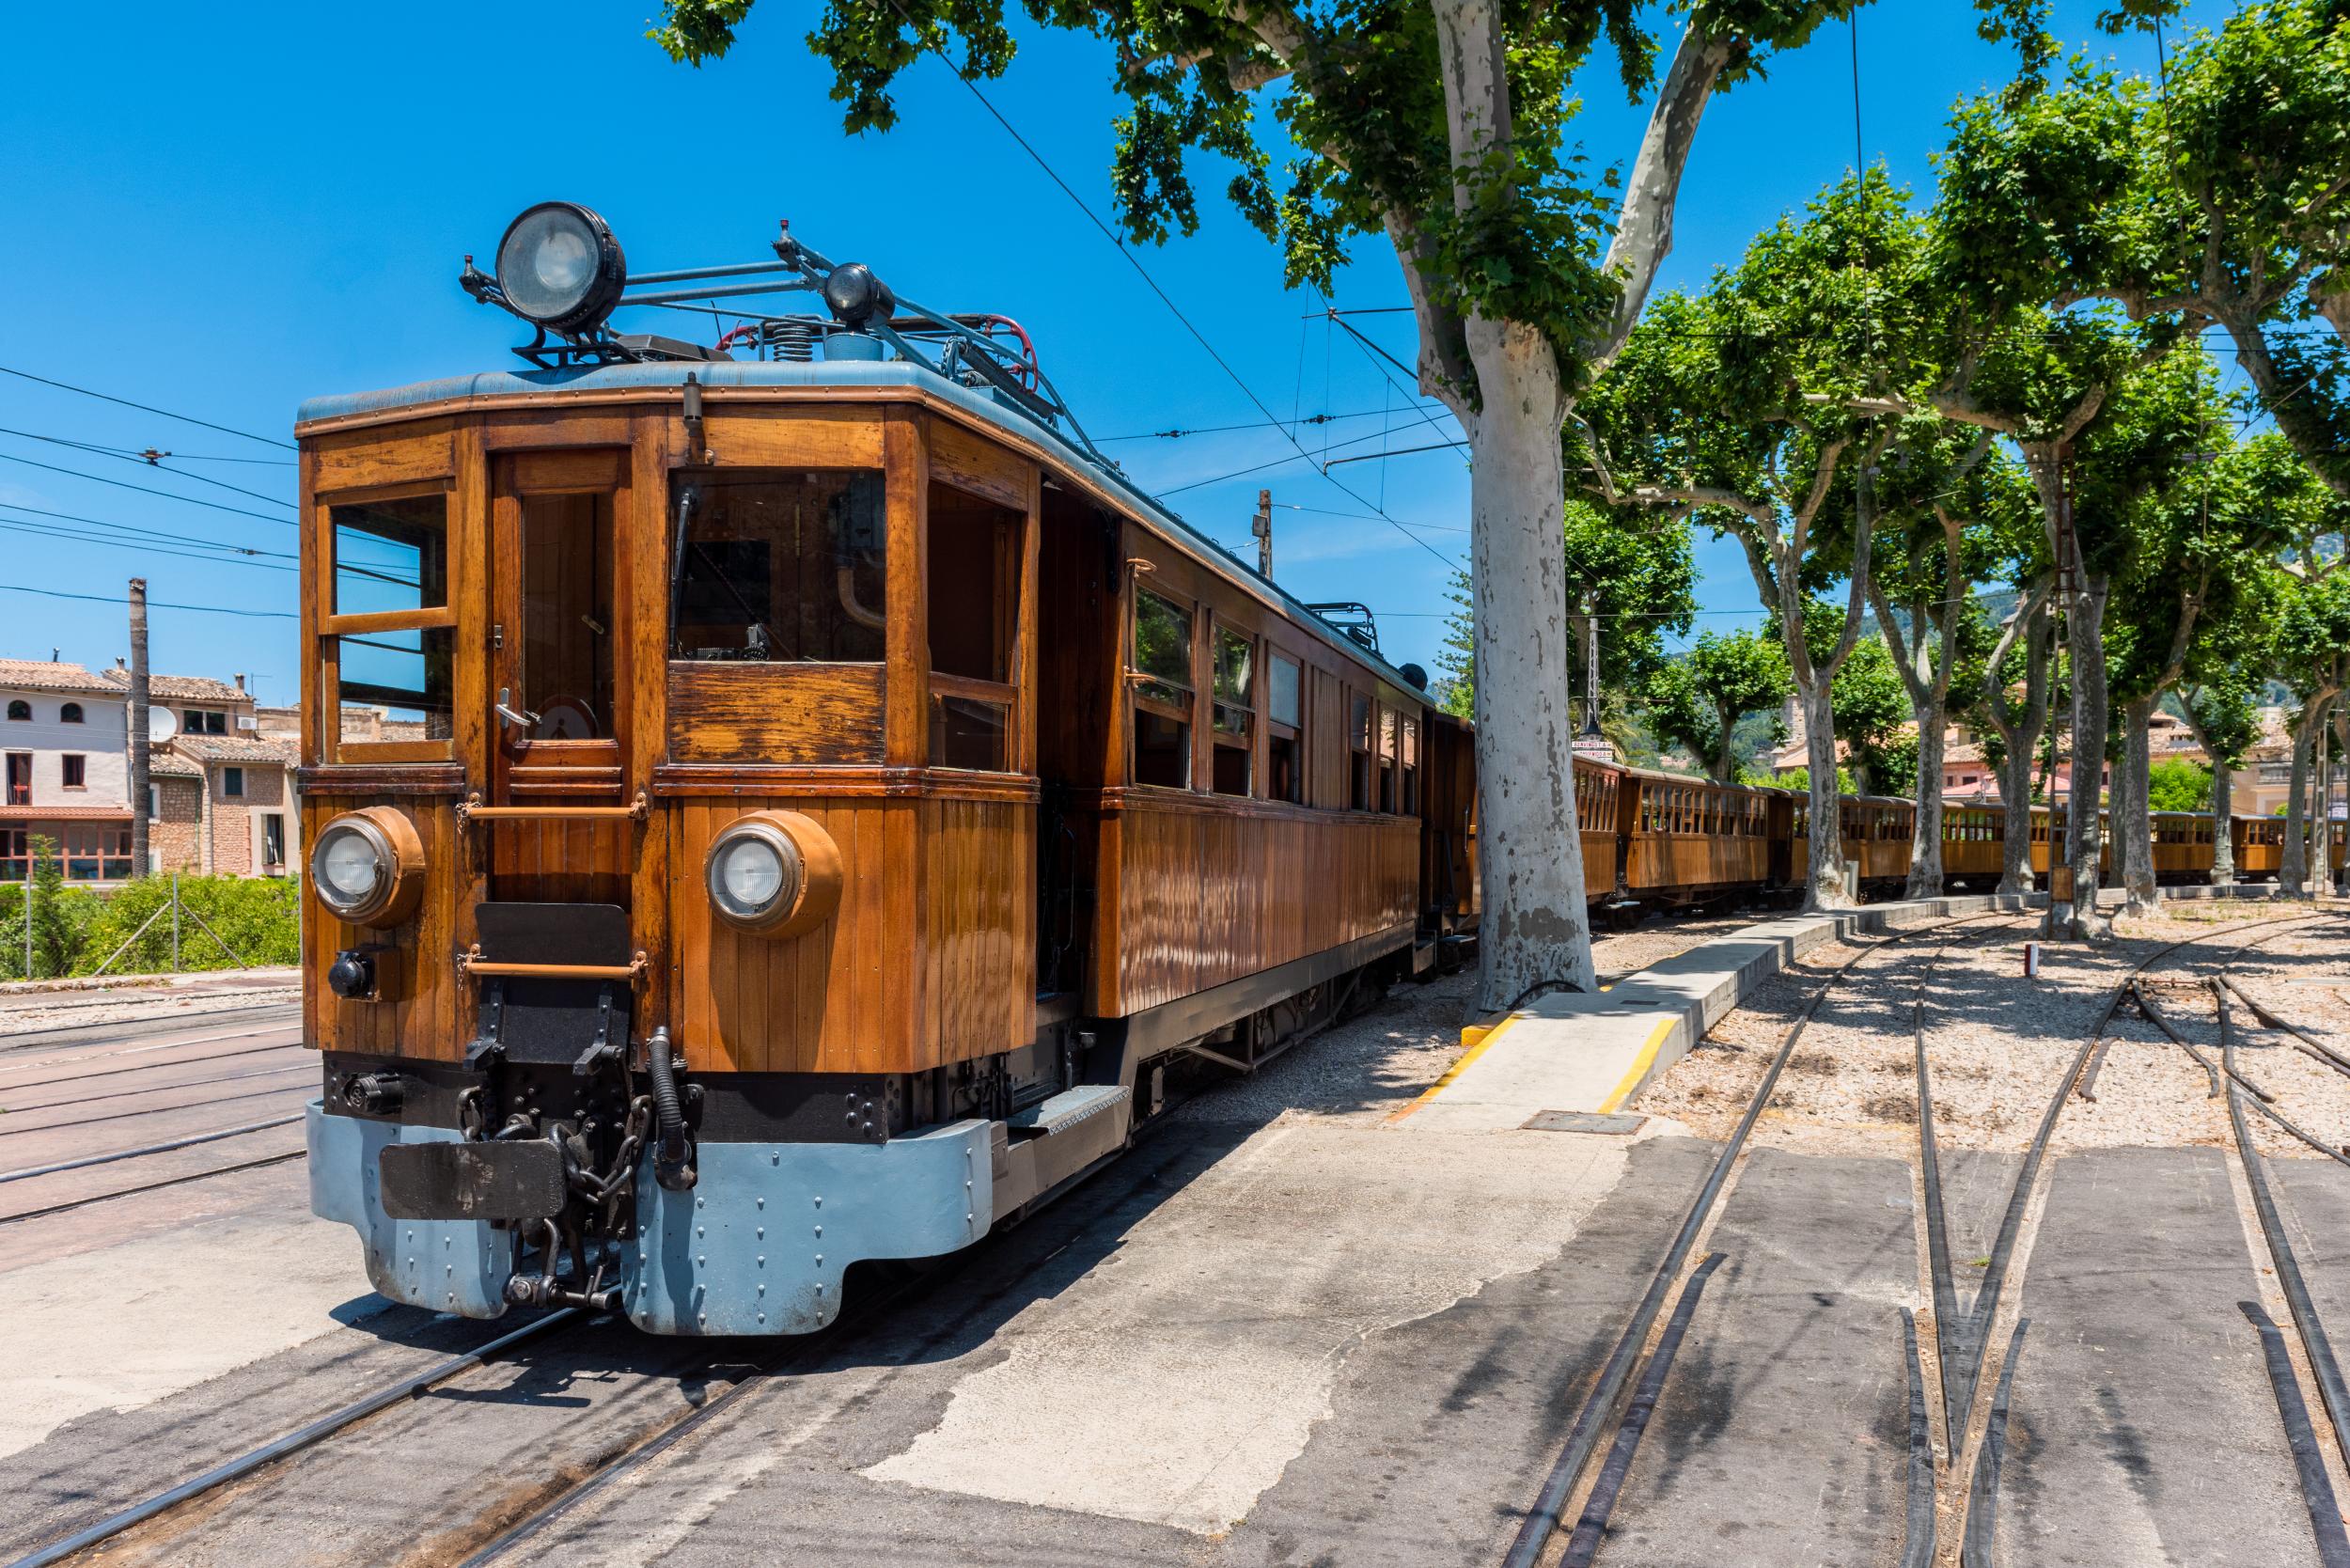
(1285, 712)
(1408, 760)
(1233, 703)
(1358, 722)
(565, 670)
(974, 585)
(391, 555)
(974, 603)
(1162, 691)
(787, 568)
(1389, 721)
(409, 674)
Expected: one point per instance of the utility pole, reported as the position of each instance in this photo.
(1591, 665)
(1261, 525)
(140, 828)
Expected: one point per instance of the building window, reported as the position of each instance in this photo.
(70, 713)
(76, 771)
(201, 721)
(154, 802)
(20, 711)
(19, 778)
(232, 781)
(272, 842)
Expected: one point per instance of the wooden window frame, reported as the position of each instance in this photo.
(72, 770)
(328, 627)
(1362, 768)
(1140, 701)
(1276, 729)
(228, 794)
(1245, 740)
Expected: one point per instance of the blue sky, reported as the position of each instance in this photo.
(223, 213)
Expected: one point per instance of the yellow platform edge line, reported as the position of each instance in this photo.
(1484, 1036)
(1640, 1065)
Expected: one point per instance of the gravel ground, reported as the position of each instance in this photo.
(1997, 1044)
(78, 1009)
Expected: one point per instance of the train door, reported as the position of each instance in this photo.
(559, 799)
(1077, 654)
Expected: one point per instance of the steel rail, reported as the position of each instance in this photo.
(153, 1089)
(28, 1172)
(1986, 1304)
(2308, 1043)
(2308, 1463)
(1946, 1319)
(1600, 1406)
(294, 1442)
(1584, 1543)
(2289, 1279)
(1918, 1531)
(14, 1131)
(150, 1066)
(1982, 1508)
(10, 1040)
(151, 1186)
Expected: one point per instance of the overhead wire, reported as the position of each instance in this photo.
(148, 490)
(147, 408)
(1144, 272)
(145, 462)
(153, 603)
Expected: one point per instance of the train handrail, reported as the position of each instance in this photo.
(473, 809)
(470, 962)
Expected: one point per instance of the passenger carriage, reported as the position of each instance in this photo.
(833, 800)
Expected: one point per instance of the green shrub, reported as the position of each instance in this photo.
(258, 918)
(62, 917)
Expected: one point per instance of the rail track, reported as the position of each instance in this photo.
(1955, 1463)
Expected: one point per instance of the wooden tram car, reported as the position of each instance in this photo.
(831, 799)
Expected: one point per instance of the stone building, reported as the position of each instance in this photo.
(64, 770)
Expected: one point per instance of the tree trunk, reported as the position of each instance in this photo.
(2293, 873)
(1823, 878)
(2023, 747)
(1535, 925)
(1724, 766)
(2222, 824)
(1926, 840)
(2082, 838)
(2133, 824)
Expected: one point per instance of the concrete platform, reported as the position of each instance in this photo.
(1572, 1052)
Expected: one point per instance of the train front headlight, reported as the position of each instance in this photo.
(367, 866)
(559, 267)
(772, 873)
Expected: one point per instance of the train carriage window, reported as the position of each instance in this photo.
(565, 665)
(974, 603)
(409, 674)
(1163, 695)
(1408, 764)
(391, 555)
(1285, 729)
(1233, 712)
(1359, 718)
(780, 568)
(1389, 721)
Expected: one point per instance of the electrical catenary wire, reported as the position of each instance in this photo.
(145, 462)
(148, 490)
(147, 408)
(153, 603)
(1144, 272)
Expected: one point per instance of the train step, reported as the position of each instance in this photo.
(1068, 1108)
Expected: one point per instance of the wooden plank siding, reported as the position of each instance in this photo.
(420, 1012)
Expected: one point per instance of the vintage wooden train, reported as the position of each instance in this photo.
(819, 799)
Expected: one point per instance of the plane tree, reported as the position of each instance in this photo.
(1737, 407)
(1698, 700)
(1444, 128)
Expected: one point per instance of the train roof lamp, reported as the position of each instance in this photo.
(560, 269)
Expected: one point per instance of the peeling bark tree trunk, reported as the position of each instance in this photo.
(1925, 844)
(2022, 736)
(2082, 838)
(1535, 925)
(2222, 822)
(1823, 865)
(2133, 823)
(2293, 873)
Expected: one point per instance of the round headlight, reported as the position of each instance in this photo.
(367, 866)
(772, 873)
(854, 296)
(559, 267)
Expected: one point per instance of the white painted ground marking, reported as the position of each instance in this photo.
(126, 1325)
(1178, 1377)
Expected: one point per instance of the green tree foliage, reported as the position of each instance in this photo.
(1634, 568)
(256, 917)
(2175, 784)
(1695, 700)
(61, 916)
